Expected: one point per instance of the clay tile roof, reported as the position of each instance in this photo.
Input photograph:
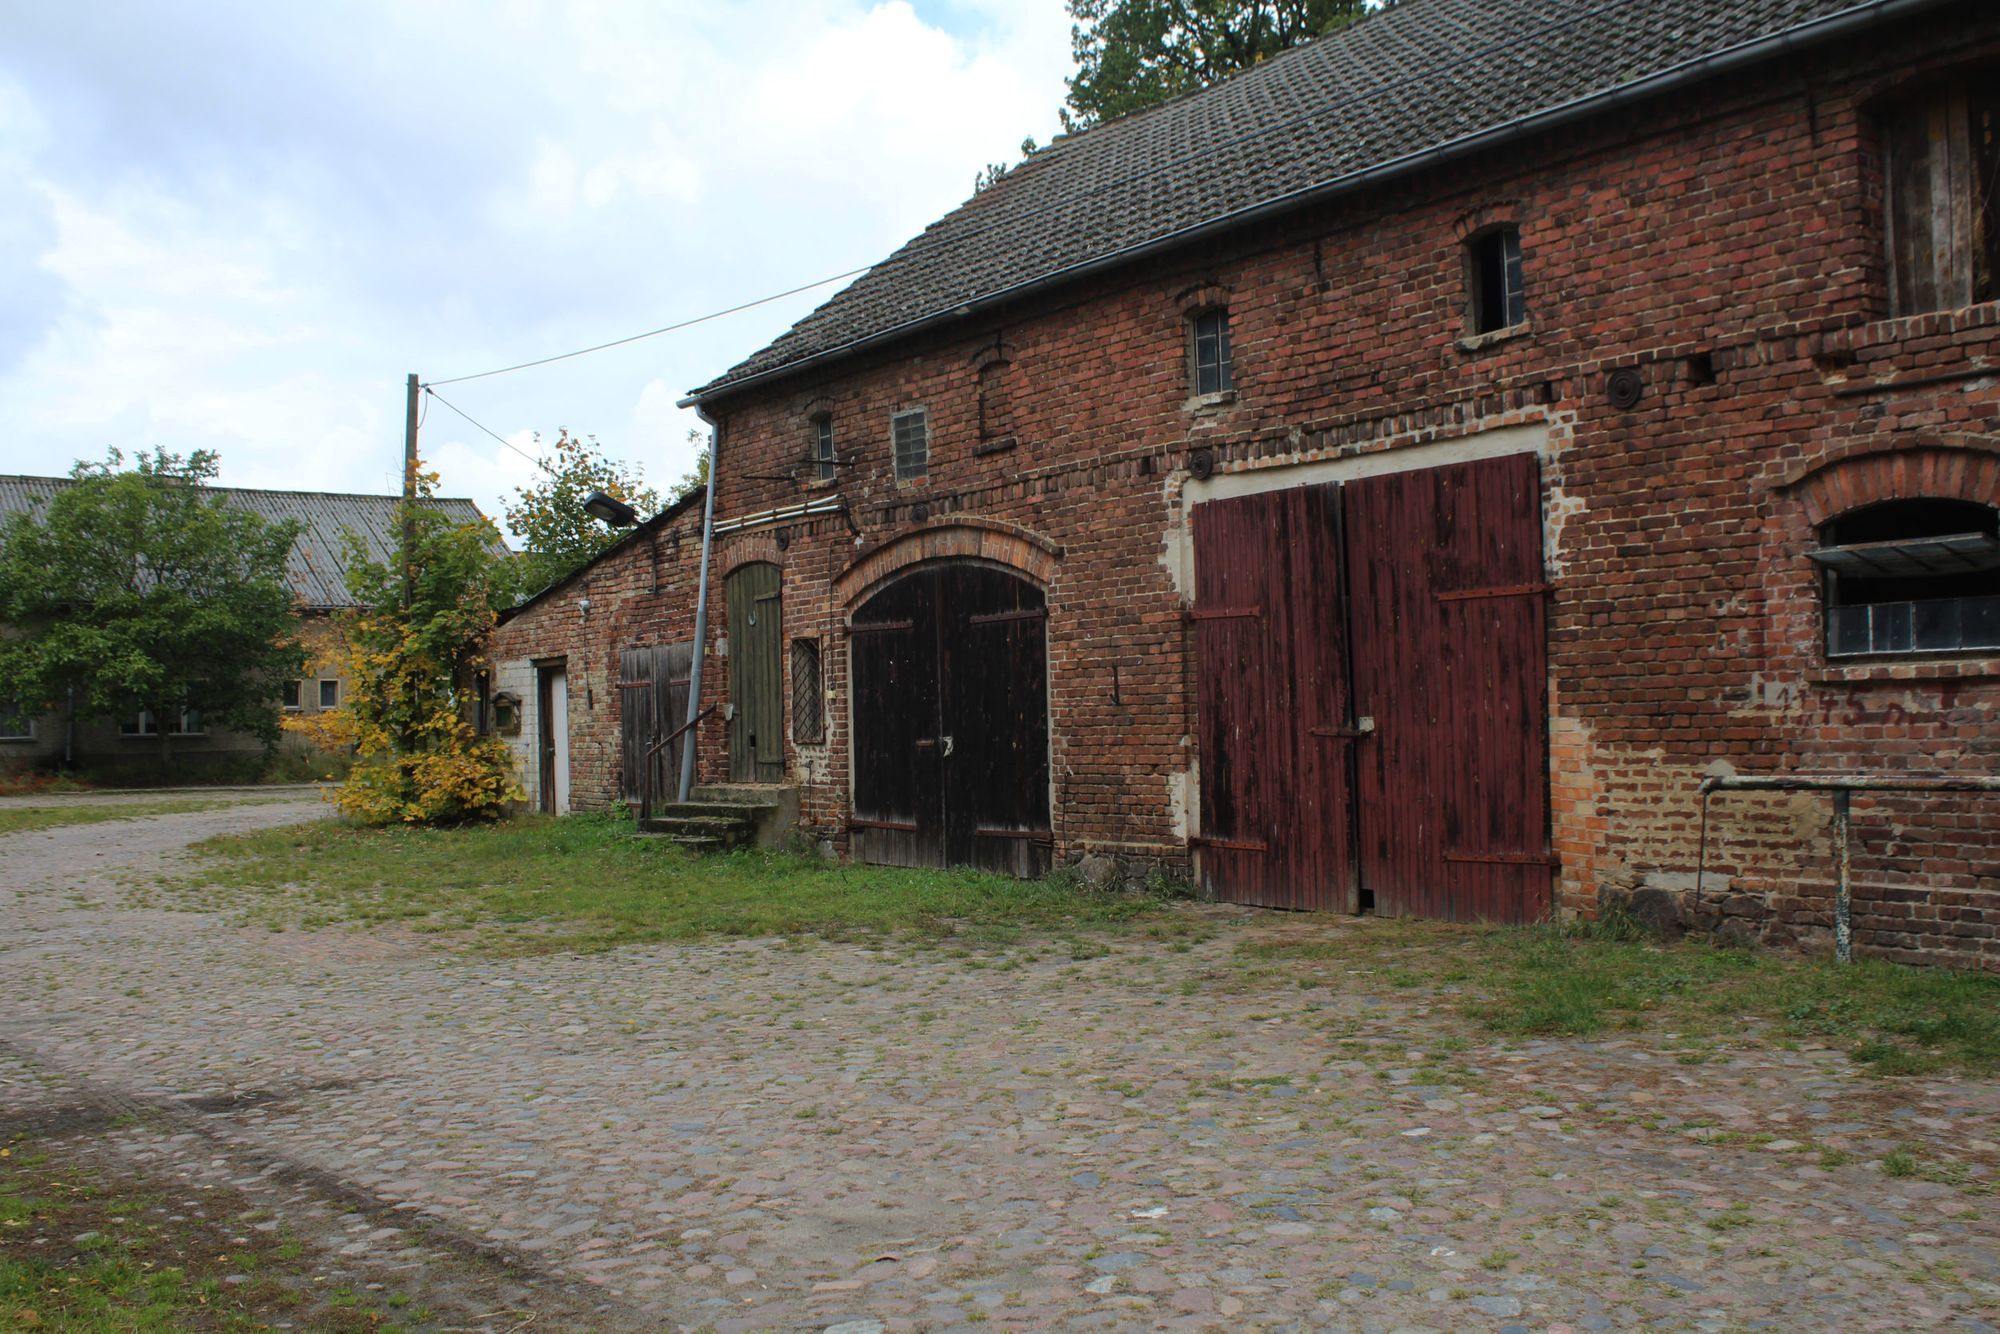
(1361, 102)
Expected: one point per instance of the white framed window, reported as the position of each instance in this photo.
(823, 449)
(910, 433)
(186, 723)
(329, 693)
(1499, 288)
(1209, 359)
(292, 696)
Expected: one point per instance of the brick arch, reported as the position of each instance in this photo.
(961, 537)
(1865, 477)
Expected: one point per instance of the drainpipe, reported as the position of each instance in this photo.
(700, 610)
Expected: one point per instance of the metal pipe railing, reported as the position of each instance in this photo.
(1843, 787)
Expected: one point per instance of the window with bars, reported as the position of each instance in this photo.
(823, 455)
(1499, 291)
(1210, 359)
(910, 432)
(808, 694)
(1942, 156)
(1912, 576)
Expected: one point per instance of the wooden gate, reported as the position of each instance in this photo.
(1275, 729)
(756, 675)
(1371, 668)
(652, 702)
(951, 723)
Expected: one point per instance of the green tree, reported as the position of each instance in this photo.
(412, 643)
(548, 516)
(140, 589)
(1132, 54)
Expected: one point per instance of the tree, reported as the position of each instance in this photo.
(1132, 54)
(141, 589)
(549, 518)
(411, 644)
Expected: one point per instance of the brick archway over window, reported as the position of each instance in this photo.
(1866, 476)
(961, 537)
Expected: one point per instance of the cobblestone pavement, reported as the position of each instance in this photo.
(777, 1135)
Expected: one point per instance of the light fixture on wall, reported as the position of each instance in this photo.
(609, 508)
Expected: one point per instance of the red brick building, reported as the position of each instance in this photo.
(1393, 479)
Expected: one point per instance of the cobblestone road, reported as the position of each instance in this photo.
(771, 1135)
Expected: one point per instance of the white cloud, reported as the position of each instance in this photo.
(236, 226)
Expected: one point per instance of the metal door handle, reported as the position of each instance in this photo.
(947, 744)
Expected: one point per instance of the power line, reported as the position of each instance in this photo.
(650, 333)
(917, 246)
(543, 464)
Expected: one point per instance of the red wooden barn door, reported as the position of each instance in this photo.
(1272, 699)
(1450, 659)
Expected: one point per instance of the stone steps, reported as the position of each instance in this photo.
(720, 818)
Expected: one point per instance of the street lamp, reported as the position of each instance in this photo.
(609, 508)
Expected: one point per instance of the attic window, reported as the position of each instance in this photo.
(910, 433)
(1210, 360)
(1943, 167)
(1912, 576)
(1499, 293)
(823, 455)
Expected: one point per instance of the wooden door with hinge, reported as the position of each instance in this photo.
(949, 666)
(1449, 614)
(652, 702)
(756, 675)
(1275, 729)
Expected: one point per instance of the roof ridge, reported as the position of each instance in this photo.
(256, 490)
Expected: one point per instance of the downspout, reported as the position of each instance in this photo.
(700, 609)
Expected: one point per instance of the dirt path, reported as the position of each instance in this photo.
(759, 1135)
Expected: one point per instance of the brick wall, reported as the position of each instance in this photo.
(1726, 247)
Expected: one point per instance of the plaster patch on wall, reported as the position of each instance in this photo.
(1183, 798)
(516, 677)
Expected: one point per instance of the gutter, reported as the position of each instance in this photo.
(1847, 22)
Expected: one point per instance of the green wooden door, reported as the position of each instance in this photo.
(756, 676)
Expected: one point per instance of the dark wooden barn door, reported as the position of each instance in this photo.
(1371, 669)
(756, 676)
(652, 701)
(1275, 732)
(951, 731)
(1449, 614)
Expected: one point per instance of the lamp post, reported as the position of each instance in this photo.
(609, 508)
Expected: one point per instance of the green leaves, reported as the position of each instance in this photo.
(549, 517)
(1132, 54)
(138, 588)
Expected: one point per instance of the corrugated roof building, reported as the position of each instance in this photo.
(316, 569)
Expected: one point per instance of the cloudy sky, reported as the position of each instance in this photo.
(237, 225)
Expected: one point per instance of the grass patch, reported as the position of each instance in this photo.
(80, 1253)
(584, 882)
(20, 819)
(1586, 979)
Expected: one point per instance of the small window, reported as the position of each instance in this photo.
(911, 433)
(1499, 293)
(1212, 373)
(1912, 576)
(16, 723)
(187, 723)
(329, 694)
(823, 455)
(808, 711)
(294, 696)
(1943, 168)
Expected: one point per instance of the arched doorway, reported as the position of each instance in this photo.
(951, 721)
(756, 675)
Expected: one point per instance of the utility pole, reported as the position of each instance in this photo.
(409, 491)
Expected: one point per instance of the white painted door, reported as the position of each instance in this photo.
(559, 736)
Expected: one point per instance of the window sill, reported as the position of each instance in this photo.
(821, 483)
(1873, 670)
(1210, 402)
(1471, 343)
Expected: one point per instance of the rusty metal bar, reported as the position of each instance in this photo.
(1224, 613)
(1843, 787)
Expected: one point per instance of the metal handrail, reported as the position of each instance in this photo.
(1843, 787)
(646, 759)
